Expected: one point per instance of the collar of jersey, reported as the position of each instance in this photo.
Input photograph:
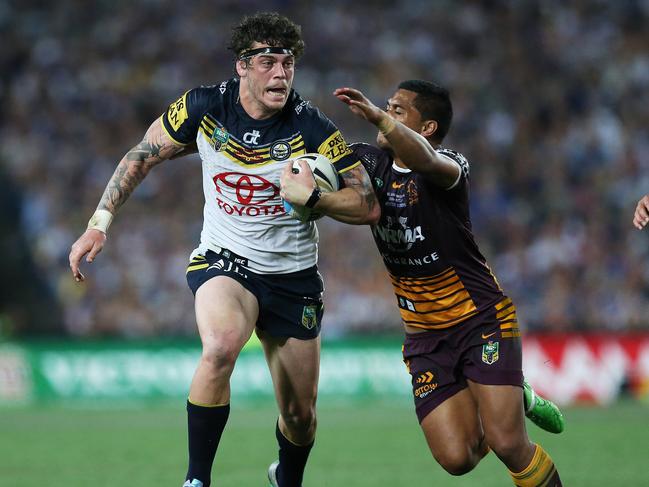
(402, 170)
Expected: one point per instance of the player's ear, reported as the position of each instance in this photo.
(241, 66)
(428, 128)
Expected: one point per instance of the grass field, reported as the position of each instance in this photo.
(359, 445)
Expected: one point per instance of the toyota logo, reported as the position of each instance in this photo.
(248, 188)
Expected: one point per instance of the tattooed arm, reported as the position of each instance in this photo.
(355, 203)
(156, 146)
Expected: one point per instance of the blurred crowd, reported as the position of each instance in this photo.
(550, 103)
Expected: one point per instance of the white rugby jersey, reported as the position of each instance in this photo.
(243, 159)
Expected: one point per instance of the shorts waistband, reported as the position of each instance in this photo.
(228, 254)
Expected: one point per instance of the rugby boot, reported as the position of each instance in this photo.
(542, 412)
(193, 483)
(272, 474)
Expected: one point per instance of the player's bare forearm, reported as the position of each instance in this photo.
(410, 147)
(356, 203)
(416, 153)
(154, 148)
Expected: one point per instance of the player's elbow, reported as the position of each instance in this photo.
(374, 214)
(371, 216)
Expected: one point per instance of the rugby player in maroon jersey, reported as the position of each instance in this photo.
(462, 345)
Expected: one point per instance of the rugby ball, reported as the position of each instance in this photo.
(326, 178)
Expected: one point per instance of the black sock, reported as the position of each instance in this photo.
(204, 428)
(292, 460)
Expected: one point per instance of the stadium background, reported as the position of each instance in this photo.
(550, 108)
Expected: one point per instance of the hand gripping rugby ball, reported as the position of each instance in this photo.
(326, 178)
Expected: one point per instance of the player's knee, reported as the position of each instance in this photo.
(220, 354)
(300, 420)
(509, 448)
(458, 462)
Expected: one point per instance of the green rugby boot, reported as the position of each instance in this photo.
(543, 413)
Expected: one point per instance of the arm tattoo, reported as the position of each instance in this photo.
(132, 169)
(359, 181)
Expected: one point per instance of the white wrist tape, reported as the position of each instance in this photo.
(100, 220)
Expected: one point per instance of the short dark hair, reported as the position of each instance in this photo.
(268, 28)
(433, 102)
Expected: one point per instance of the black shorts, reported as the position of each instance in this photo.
(485, 349)
(290, 305)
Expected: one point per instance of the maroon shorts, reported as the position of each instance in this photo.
(485, 349)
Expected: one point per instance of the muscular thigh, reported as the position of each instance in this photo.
(294, 366)
(453, 428)
(225, 310)
(501, 413)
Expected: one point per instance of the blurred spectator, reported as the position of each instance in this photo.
(550, 100)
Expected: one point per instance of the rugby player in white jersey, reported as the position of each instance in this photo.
(255, 268)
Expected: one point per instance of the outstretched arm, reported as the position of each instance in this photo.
(156, 146)
(641, 216)
(410, 147)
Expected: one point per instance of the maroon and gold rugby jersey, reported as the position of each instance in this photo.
(424, 235)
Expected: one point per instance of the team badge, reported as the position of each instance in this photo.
(412, 193)
(219, 138)
(490, 352)
(378, 182)
(310, 316)
(280, 151)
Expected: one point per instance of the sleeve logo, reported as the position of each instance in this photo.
(177, 112)
(335, 147)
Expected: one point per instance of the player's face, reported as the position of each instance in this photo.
(401, 107)
(266, 81)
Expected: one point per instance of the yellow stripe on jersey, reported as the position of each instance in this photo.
(349, 168)
(335, 147)
(168, 134)
(295, 142)
(448, 285)
(209, 121)
(506, 315)
(247, 157)
(434, 302)
(503, 303)
(243, 155)
(196, 267)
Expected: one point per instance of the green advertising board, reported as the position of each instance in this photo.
(32, 372)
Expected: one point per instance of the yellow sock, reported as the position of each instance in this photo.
(541, 472)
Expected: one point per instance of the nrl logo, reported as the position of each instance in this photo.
(490, 352)
(219, 138)
(310, 316)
